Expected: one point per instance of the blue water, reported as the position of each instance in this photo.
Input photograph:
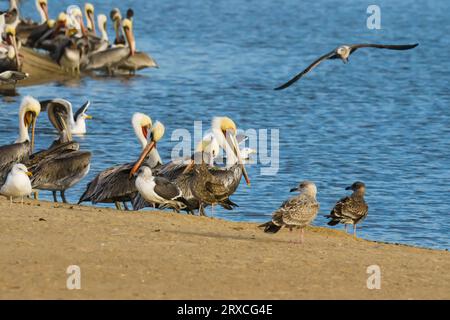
(383, 118)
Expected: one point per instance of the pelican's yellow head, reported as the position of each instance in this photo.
(225, 124)
(29, 111)
(157, 131)
(142, 121)
(127, 24)
(10, 30)
(51, 23)
(62, 17)
(89, 8)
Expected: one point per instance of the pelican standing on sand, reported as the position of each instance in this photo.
(17, 183)
(296, 212)
(343, 52)
(115, 184)
(77, 121)
(63, 165)
(352, 209)
(23, 147)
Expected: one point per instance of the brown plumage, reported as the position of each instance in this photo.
(296, 212)
(352, 209)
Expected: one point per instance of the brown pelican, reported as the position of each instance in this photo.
(206, 187)
(42, 7)
(224, 130)
(89, 13)
(116, 18)
(77, 121)
(9, 53)
(114, 185)
(159, 190)
(352, 209)
(343, 52)
(111, 58)
(104, 41)
(17, 183)
(296, 212)
(23, 147)
(26, 28)
(75, 21)
(61, 167)
(49, 37)
(139, 60)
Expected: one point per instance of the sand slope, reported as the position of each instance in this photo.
(129, 255)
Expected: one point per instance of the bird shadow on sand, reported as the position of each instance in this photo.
(214, 235)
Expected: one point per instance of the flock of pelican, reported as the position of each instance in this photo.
(188, 184)
(74, 45)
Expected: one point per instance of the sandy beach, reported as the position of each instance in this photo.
(162, 255)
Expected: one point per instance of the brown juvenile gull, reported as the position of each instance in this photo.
(343, 52)
(298, 211)
(352, 209)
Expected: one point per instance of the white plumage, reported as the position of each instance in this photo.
(17, 183)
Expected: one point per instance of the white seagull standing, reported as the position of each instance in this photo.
(17, 183)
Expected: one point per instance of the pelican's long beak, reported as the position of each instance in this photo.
(16, 50)
(131, 41)
(189, 167)
(91, 18)
(45, 9)
(143, 155)
(237, 151)
(33, 129)
(83, 28)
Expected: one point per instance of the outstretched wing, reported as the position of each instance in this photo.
(327, 56)
(355, 47)
(81, 110)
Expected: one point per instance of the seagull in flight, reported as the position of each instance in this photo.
(343, 52)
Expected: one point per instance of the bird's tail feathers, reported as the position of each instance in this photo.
(270, 227)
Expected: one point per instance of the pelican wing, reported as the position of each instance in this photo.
(10, 155)
(112, 184)
(329, 55)
(355, 47)
(60, 171)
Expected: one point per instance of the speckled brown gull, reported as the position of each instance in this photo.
(296, 212)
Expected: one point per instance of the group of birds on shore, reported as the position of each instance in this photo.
(188, 184)
(75, 45)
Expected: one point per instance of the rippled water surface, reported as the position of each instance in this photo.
(383, 118)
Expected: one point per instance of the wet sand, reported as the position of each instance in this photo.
(162, 255)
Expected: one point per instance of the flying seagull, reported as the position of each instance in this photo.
(343, 52)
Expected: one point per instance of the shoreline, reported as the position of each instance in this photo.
(163, 255)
